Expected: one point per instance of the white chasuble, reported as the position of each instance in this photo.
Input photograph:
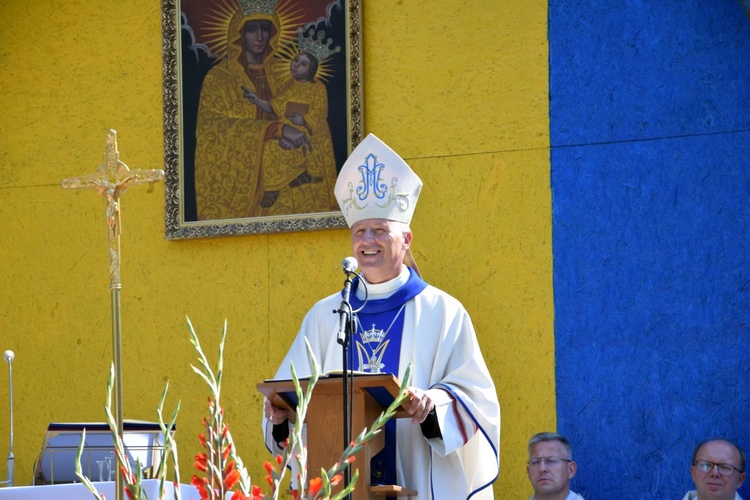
(438, 340)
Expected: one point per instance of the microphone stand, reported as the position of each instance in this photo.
(10, 470)
(346, 320)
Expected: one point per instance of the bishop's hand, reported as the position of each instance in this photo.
(422, 403)
(276, 415)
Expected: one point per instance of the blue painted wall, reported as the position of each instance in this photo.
(650, 136)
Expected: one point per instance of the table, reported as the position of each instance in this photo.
(77, 491)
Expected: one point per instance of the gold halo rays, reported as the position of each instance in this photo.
(217, 25)
(290, 18)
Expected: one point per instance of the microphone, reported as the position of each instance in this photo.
(349, 265)
(9, 355)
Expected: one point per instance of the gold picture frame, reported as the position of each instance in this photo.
(258, 157)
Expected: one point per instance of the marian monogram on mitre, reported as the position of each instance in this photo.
(372, 188)
(376, 183)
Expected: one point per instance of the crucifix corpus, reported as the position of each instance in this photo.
(111, 180)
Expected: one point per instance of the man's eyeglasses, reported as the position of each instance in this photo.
(724, 469)
(535, 463)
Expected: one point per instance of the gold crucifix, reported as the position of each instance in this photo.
(111, 180)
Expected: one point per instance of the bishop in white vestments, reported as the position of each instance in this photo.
(449, 449)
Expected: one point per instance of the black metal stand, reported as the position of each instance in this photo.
(346, 321)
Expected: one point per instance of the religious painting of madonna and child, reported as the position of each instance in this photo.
(262, 106)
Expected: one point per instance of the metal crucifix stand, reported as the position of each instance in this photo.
(111, 180)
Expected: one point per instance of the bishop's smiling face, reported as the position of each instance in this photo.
(379, 246)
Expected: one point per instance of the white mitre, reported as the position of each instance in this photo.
(376, 183)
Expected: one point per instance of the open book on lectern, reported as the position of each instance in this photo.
(382, 387)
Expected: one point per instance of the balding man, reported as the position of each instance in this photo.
(718, 471)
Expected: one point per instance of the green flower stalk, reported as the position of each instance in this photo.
(222, 472)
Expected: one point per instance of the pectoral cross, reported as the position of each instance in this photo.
(111, 180)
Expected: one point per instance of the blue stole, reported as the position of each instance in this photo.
(380, 325)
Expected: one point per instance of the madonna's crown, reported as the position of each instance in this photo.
(250, 7)
(319, 47)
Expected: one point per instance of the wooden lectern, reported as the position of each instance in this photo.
(372, 394)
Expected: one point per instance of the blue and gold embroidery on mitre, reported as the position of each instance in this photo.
(376, 183)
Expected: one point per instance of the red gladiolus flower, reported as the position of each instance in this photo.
(200, 485)
(335, 480)
(201, 461)
(231, 479)
(125, 474)
(258, 493)
(315, 485)
(269, 468)
(225, 454)
(295, 494)
(231, 476)
(238, 495)
(279, 459)
(202, 438)
(128, 493)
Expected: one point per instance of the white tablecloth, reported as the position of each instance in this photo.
(80, 492)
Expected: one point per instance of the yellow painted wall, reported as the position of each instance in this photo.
(459, 89)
